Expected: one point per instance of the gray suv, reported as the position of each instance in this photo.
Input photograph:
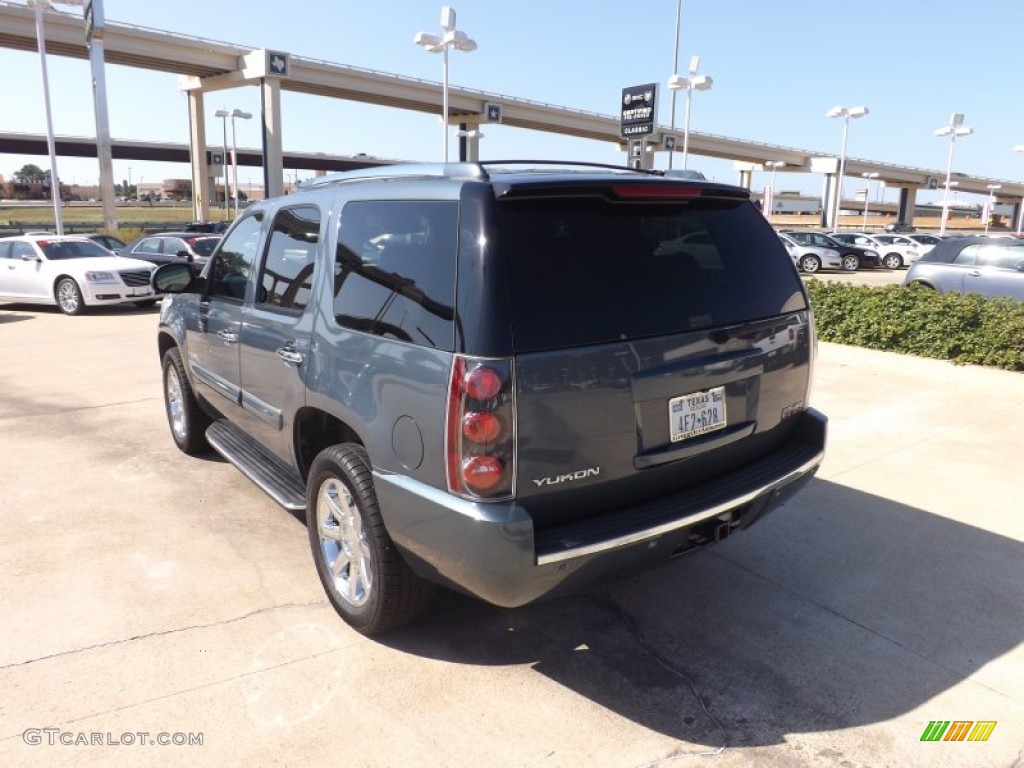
(511, 379)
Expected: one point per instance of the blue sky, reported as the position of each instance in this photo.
(777, 68)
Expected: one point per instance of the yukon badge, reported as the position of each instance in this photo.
(568, 477)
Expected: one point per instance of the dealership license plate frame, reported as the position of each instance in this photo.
(696, 414)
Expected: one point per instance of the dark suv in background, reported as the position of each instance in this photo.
(510, 379)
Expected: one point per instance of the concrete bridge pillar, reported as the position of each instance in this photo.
(908, 205)
(273, 155)
(197, 148)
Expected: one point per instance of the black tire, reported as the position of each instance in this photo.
(69, 296)
(185, 417)
(375, 591)
(145, 303)
(851, 263)
(810, 264)
(893, 261)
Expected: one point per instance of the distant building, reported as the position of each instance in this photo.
(30, 190)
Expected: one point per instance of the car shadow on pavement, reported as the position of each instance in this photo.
(107, 309)
(842, 609)
(12, 318)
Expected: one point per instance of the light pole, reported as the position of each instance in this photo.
(867, 196)
(766, 209)
(1020, 213)
(846, 113)
(40, 6)
(223, 114)
(234, 151)
(675, 68)
(689, 84)
(955, 128)
(452, 38)
(128, 191)
(991, 202)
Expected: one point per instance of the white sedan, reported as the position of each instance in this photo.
(896, 251)
(811, 258)
(71, 272)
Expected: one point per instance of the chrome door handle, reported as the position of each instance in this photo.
(228, 336)
(975, 273)
(290, 356)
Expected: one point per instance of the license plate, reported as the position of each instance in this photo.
(696, 414)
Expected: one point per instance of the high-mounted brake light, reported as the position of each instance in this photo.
(657, 191)
(480, 429)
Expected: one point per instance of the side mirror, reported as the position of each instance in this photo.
(175, 277)
(183, 254)
(30, 257)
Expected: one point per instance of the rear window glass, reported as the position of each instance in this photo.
(588, 271)
(395, 270)
(71, 249)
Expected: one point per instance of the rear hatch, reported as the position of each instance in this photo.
(660, 337)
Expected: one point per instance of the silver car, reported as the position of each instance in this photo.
(972, 265)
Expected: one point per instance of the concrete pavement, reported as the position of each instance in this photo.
(146, 591)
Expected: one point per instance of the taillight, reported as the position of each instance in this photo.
(480, 429)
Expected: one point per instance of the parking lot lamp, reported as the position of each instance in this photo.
(846, 113)
(451, 38)
(234, 151)
(40, 6)
(675, 69)
(774, 165)
(991, 202)
(867, 196)
(689, 84)
(223, 114)
(955, 128)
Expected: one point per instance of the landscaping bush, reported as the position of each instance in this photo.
(964, 328)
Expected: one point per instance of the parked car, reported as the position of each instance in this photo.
(109, 242)
(924, 241)
(71, 272)
(900, 226)
(972, 265)
(894, 254)
(165, 247)
(852, 256)
(215, 227)
(811, 258)
(537, 379)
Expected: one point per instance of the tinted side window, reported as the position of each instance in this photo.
(588, 271)
(232, 266)
(967, 255)
(395, 270)
(20, 249)
(149, 245)
(287, 274)
(174, 244)
(5, 250)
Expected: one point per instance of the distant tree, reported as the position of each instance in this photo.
(30, 173)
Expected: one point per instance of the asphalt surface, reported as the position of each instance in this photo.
(147, 591)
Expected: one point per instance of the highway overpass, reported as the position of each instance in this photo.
(207, 65)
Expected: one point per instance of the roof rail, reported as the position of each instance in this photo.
(572, 163)
(400, 170)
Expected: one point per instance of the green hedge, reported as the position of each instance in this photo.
(964, 328)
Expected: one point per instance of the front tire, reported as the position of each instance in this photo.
(361, 570)
(69, 296)
(145, 303)
(810, 264)
(893, 261)
(185, 417)
(851, 263)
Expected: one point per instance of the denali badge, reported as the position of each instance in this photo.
(579, 475)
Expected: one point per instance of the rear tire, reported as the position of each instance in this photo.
(851, 263)
(361, 570)
(69, 296)
(185, 417)
(893, 261)
(810, 264)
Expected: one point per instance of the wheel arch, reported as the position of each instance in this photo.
(314, 430)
